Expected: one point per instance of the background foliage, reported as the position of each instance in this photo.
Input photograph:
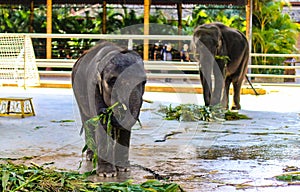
(273, 31)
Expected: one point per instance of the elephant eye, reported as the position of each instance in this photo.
(112, 81)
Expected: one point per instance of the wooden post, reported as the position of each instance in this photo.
(249, 23)
(104, 17)
(249, 8)
(31, 17)
(179, 14)
(147, 5)
(49, 29)
(25, 62)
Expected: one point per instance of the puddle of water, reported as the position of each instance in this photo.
(256, 152)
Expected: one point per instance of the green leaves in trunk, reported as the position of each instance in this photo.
(90, 127)
(92, 124)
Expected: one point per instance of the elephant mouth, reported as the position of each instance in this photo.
(121, 116)
(124, 116)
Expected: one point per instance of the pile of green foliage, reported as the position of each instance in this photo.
(37, 178)
(192, 112)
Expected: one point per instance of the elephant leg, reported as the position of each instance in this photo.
(236, 94)
(206, 86)
(105, 148)
(89, 134)
(122, 150)
(225, 100)
(89, 151)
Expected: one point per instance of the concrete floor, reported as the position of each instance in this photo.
(201, 157)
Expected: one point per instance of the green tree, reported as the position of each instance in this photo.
(14, 20)
(131, 18)
(273, 32)
(207, 14)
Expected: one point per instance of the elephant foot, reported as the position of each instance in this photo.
(106, 170)
(123, 166)
(107, 174)
(236, 107)
(122, 169)
(89, 155)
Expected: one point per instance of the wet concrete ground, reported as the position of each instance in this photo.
(201, 156)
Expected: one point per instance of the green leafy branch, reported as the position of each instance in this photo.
(225, 58)
(192, 112)
(37, 178)
(90, 127)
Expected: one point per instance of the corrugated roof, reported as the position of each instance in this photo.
(137, 2)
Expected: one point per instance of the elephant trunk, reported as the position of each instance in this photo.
(206, 62)
(128, 91)
(212, 87)
(131, 102)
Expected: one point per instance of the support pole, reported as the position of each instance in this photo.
(249, 9)
(147, 4)
(249, 23)
(104, 17)
(179, 14)
(25, 62)
(31, 17)
(49, 29)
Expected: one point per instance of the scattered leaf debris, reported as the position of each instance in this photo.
(16, 177)
(192, 112)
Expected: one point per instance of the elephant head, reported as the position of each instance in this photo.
(209, 37)
(123, 81)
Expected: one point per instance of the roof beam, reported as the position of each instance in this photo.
(136, 2)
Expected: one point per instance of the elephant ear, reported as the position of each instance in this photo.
(99, 79)
(195, 44)
(103, 59)
(221, 45)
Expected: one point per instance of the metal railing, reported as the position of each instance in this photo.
(156, 69)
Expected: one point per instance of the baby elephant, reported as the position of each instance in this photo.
(222, 52)
(106, 76)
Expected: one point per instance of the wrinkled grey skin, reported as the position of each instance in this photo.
(107, 74)
(216, 39)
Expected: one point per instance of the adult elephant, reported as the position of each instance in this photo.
(223, 52)
(102, 77)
